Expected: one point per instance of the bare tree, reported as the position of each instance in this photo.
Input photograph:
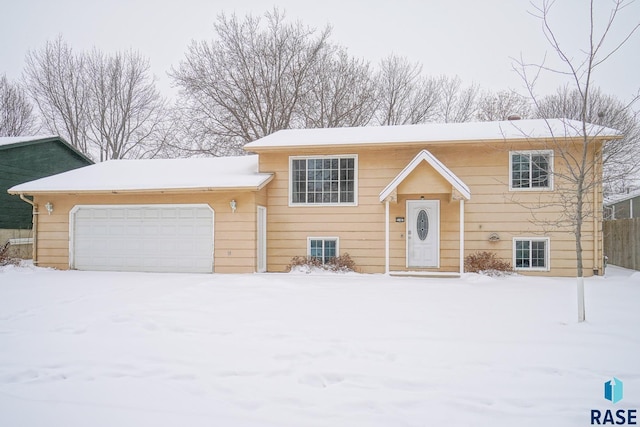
(341, 91)
(405, 96)
(127, 113)
(457, 103)
(107, 106)
(493, 106)
(54, 77)
(249, 82)
(620, 157)
(16, 112)
(581, 162)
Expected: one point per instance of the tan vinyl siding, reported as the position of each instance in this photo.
(234, 233)
(484, 168)
(361, 229)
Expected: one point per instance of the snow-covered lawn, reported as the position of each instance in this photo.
(122, 349)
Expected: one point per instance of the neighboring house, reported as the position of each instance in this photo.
(399, 199)
(24, 159)
(622, 206)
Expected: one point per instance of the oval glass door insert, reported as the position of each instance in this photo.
(422, 225)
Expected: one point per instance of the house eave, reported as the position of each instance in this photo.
(164, 190)
(322, 146)
(153, 191)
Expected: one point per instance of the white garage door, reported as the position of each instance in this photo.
(154, 238)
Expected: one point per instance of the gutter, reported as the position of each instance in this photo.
(35, 214)
(598, 240)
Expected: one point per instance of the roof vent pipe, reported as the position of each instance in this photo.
(514, 117)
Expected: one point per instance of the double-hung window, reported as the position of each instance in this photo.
(531, 253)
(531, 170)
(322, 248)
(326, 180)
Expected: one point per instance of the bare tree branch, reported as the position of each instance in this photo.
(404, 95)
(107, 106)
(501, 105)
(249, 82)
(457, 103)
(581, 182)
(16, 112)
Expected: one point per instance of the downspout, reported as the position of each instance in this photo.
(596, 210)
(34, 214)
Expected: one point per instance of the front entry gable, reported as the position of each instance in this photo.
(445, 180)
(414, 183)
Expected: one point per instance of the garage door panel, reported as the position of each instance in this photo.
(166, 238)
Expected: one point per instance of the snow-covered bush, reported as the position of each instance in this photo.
(339, 264)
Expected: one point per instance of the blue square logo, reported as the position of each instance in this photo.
(613, 390)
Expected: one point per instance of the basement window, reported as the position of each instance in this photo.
(322, 248)
(531, 253)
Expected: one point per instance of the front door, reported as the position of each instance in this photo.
(423, 233)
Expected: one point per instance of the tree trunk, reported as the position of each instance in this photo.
(579, 261)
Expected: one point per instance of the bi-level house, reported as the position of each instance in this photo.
(399, 199)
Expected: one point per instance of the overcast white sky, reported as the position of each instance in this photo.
(470, 38)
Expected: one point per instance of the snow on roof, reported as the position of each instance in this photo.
(8, 140)
(431, 132)
(156, 174)
(617, 198)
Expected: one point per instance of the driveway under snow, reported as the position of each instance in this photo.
(125, 349)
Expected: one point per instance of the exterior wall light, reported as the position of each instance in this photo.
(234, 206)
(49, 207)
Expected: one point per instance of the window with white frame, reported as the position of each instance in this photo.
(531, 253)
(322, 248)
(531, 170)
(327, 180)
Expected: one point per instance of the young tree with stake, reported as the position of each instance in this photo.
(582, 176)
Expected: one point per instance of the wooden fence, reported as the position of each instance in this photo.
(622, 242)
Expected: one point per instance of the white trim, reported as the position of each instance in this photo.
(76, 208)
(261, 240)
(547, 254)
(426, 156)
(420, 273)
(530, 152)
(407, 225)
(322, 157)
(461, 236)
(386, 236)
(310, 238)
